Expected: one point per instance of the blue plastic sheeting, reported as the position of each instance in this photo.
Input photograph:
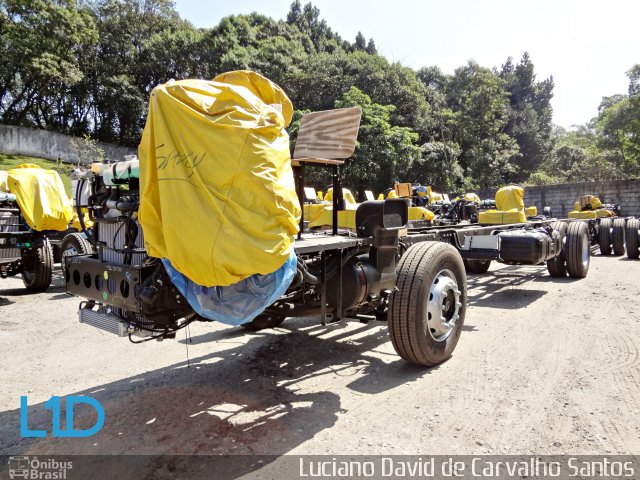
(238, 303)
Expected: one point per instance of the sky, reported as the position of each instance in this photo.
(586, 45)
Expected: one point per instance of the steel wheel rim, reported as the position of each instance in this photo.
(28, 273)
(70, 251)
(443, 305)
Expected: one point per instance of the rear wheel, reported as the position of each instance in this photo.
(263, 321)
(557, 265)
(476, 266)
(617, 236)
(632, 238)
(426, 313)
(37, 268)
(604, 236)
(578, 254)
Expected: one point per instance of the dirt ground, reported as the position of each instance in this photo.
(543, 366)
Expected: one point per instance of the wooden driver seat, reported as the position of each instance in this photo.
(327, 137)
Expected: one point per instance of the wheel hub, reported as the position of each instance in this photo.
(443, 305)
(585, 251)
(70, 251)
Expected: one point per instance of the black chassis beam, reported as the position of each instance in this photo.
(454, 235)
(33, 238)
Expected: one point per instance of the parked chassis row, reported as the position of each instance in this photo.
(616, 235)
(33, 253)
(414, 279)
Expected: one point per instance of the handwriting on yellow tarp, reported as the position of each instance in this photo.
(184, 163)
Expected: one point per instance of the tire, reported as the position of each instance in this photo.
(75, 244)
(604, 236)
(557, 266)
(617, 236)
(578, 253)
(37, 268)
(632, 238)
(426, 271)
(263, 321)
(476, 266)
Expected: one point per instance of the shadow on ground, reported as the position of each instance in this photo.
(244, 400)
(500, 288)
(57, 285)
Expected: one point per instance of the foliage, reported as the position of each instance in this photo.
(86, 150)
(385, 152)
(87, 67)
(608, 148)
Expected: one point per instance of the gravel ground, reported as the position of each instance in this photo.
(544, 366)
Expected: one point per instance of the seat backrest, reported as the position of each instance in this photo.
(329, 134)
(403, 190)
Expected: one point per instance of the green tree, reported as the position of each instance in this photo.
(43, 42)
(530, 114)
(385, 153)
(480, 110)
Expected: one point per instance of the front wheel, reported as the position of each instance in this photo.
(426, 313)
(37, 268)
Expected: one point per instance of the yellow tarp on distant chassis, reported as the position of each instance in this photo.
(509, 208)
(41, 197)
(218, 194)
(421, 213)
(589, 207)
(592, 214)
(347, 217)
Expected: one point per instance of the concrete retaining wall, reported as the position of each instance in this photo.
(562, 197)
(49, 145)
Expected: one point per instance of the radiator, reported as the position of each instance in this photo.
(9, 223)
(113, 235)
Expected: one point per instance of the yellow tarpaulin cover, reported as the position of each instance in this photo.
(510, 197)
(346, 195)
(420, 213)
(510, 207)
(346, 218)
(218, 194)
(501, 217)
(471, 197)
(586, 202)
(591, 214)
(41, 197)
(313, 211)
(75, 221)
(434, 196)
(531, 211)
